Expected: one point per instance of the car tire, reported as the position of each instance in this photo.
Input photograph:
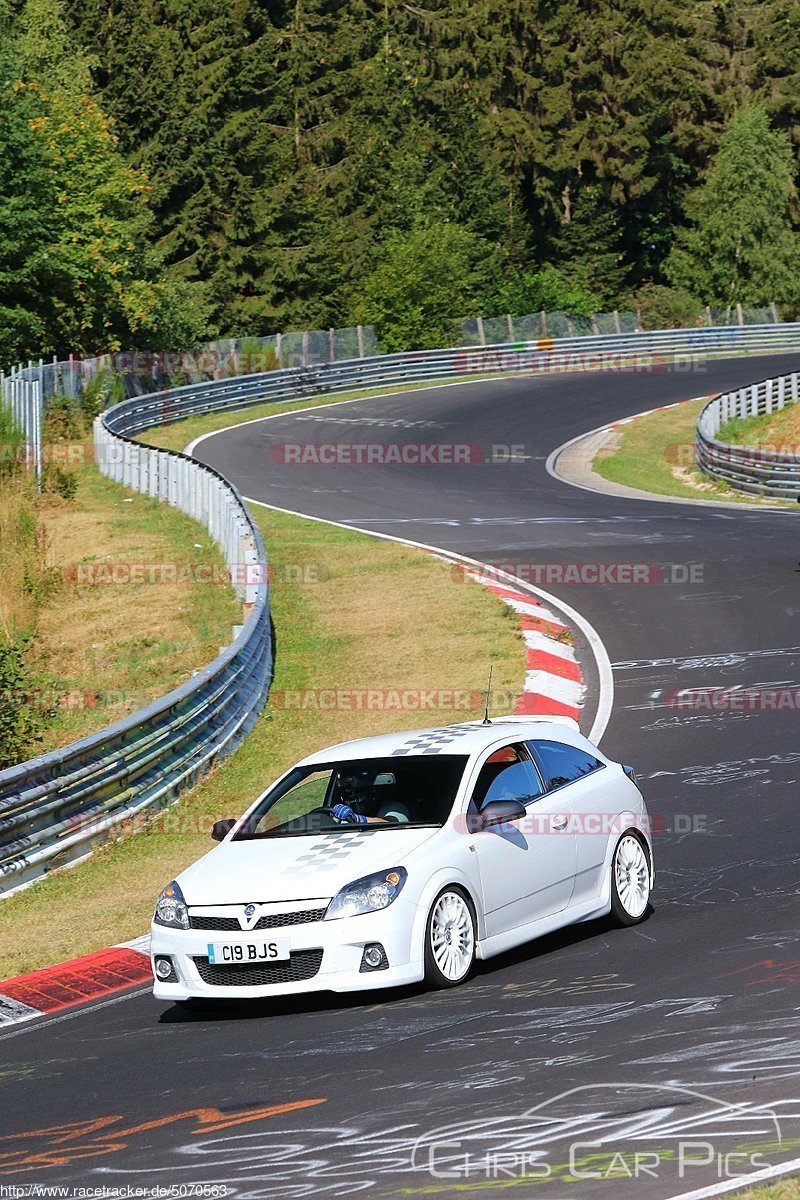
(630, 880)
(449, 938)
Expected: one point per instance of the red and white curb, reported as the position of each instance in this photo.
(553, 680)
(90, 977)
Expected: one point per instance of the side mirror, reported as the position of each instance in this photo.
(496, 812)
(221, 829)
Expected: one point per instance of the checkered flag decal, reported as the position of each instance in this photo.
(326, 854)
(433, 741)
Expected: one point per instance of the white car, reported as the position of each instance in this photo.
(405, 857)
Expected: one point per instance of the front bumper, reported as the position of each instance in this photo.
(340, 942)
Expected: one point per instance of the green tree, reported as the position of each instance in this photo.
(424, 281)
(740, 244)
(104, 285)
(25, 222)
(549, 289)
(589, 245)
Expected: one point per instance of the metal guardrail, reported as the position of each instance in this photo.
(22, 398)
(763, 470)
(644, 352)
(55, 807)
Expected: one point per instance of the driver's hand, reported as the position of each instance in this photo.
(343, 812)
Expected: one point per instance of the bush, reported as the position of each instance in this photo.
(425, 280)
(25, 705)
(667, 308)
(59, 482)
(64, 419)
(12, 445)
(547, 290)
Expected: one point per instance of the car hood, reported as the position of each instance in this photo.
(295, 868)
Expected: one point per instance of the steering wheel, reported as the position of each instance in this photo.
(325, 812)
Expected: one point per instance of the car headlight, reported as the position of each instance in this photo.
(171, 908)
(369, 894)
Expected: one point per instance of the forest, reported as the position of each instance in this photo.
(178, 170)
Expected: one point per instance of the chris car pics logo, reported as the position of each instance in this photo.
(613, 1131)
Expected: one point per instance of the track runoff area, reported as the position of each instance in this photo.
(654, 1062)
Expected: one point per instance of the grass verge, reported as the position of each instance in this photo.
(788, 1189)
(109, 648)
(780, 430)
(655, 453)
(351, 613)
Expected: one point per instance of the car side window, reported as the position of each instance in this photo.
(507, 775)
(561, 763)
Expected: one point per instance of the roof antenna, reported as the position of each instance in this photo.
(486, 720)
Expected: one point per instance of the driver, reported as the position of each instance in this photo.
(362, 792)
(397, 814)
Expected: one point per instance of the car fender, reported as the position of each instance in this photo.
(435, 884)
(638, 823)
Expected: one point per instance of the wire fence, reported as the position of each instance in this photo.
(487, 331)
(117, 376)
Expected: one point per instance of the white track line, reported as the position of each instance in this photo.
(747, 1181)
(605, 675)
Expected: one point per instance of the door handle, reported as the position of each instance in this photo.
(560, 822)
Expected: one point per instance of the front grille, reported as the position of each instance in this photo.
(273, 921)
(276, 920)
(216, 923)
(304, 964)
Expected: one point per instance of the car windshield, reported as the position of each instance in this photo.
(363, 794)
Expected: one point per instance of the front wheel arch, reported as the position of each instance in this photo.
(434, 976)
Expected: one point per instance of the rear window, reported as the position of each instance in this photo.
(563, 764)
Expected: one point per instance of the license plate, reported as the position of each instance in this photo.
(222, 953)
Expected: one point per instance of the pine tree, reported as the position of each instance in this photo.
(740, 245)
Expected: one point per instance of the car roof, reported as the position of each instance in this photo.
(467, 737)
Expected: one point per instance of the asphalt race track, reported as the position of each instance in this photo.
(674, 1043)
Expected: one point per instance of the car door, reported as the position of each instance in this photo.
(589, 785)
(526, 866)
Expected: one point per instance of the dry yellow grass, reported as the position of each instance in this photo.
(788, 1189)
(114, 647)
(18, 552)
(780, 430)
